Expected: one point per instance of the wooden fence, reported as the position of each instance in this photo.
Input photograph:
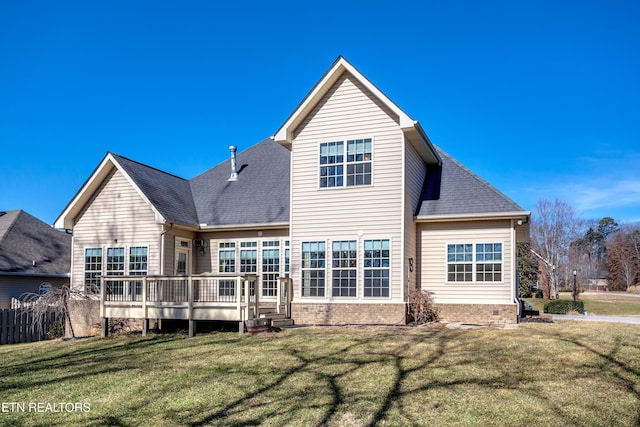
(19, 325)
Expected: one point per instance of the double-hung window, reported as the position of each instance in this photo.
(489, 262)
(227, 257)
(248, 257)
(482, 260)
(344, 256)
(313, 269)
(92, 270)
(270, 267)
(345, 164)
(138, 262)
(115, 267)
(376, 268)
(460, 262)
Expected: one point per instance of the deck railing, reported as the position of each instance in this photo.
(200, 297)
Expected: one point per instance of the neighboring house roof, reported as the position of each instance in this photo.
(452, 190)
(259, 196)
(28, 246)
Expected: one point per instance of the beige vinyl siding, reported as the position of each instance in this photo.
(116, 211)
(433, 240)
(15, 286)
(208, 262)
(348, 110)
(415, 172)
(170, 249)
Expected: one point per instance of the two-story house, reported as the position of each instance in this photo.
(337, 216)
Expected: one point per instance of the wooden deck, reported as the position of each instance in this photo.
(192, 298)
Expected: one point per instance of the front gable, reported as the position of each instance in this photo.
(336, 75)
(87, 192)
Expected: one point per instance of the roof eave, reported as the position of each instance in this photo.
(523, 215)
(68, 215)
(256, 226)
(26, 274)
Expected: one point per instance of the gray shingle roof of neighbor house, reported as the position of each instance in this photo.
(169, 194)
(453, 189)
(29, 246)
(259, 196)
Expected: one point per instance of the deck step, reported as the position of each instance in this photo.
(278, 320)
(279, 323)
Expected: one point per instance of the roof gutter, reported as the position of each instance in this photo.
(56, 275)
(523, 215)
(263, 226)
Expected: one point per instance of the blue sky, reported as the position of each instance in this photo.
(541, 99)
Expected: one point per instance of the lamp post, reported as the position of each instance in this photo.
(575, 272)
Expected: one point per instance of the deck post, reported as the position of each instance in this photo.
(190, 294)
(289, 297)
(103, 296)
(239, 296)
(144, 298)
(145, 327)
(246, 298)
(256, 304)
(104, 323)
(192, 328)
(278, 301)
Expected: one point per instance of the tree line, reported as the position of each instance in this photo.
(602, 252)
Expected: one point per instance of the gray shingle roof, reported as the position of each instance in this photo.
(169, 194)
(261, 193)
(455, 190)
(25, 239)
(259, 196)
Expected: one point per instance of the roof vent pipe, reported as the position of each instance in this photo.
(234, 169)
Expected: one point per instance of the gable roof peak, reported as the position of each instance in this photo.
(339, 67)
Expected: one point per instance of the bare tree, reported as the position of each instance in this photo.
(554, 226)
(53, 301)
(623, 258)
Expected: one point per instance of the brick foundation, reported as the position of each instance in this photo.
(478, 313)
(348, 314)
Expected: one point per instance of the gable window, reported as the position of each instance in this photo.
(227, 257)
(313, 269)
(343, 261)
(345, 164)
(92, 270)
(489, 262)
(484, 260)
(376, 268)
(270, 267)
(460, 262)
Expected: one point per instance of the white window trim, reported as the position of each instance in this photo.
(474, 262)
(327, 275)
(345, 163)
(361, 284)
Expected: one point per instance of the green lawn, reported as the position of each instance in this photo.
(603, 304)
(569, 374)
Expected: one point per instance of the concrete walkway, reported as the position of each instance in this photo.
(589, 318)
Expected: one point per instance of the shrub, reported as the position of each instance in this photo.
(562, 306)
(421, 307)
(539, 293)
(56, 330)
